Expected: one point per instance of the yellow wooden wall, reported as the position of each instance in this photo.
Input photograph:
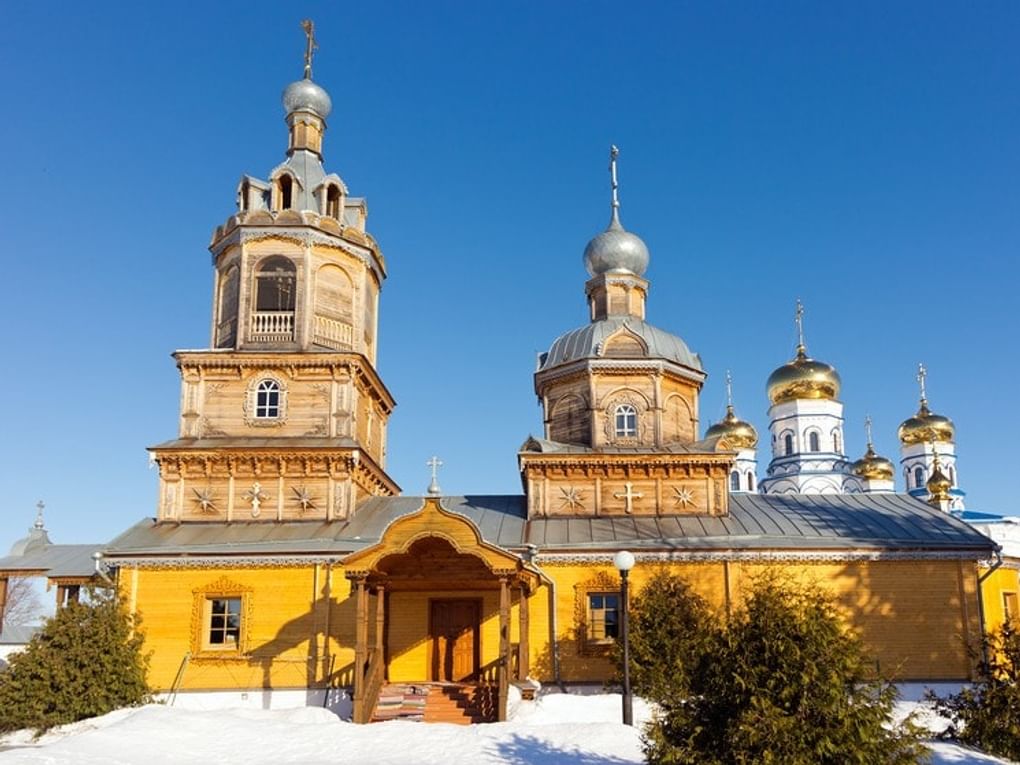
(914, 616)
(1004, 579)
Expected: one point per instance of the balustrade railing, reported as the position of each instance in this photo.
(271, 327)
(333, 333)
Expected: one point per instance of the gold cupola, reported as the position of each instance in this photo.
(926, 426)
(872, 466)
(938, 483)
(803, 377)
(734, 432)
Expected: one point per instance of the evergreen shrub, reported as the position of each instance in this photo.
(780, 681)
(987, 714)
(86, 661)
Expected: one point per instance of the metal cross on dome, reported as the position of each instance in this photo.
(799, 318)
(435, 463)
(867, 427)
(922, 375)
(310, 47)
(40, 506)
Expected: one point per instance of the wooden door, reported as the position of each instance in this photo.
(454, 628)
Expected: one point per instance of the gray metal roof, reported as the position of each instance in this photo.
(756, 522)
(587, 342)
(55, 560)
(545, 446)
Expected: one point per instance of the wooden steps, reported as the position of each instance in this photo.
(456, 703)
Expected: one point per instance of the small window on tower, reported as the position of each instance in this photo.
(788, 444)
(275, 285)
(333, 202)
(750, 481)
(952, 476)
(267, 400)
(734, 481)
(835, 442)
(286, 185)
(813, 443)
(626, 421)
(919, 477)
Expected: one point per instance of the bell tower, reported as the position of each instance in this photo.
(284, 416)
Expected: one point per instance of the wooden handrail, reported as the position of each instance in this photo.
(366, 698)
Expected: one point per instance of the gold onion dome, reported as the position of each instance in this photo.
(736, 433)
(938, 484)
(803, 377)
(926, 426)
(874, 467)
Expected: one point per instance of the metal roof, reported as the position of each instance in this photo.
(755, 522)
(55, 561)
(587, 342)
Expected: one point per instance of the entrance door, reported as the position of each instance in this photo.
(454, 634)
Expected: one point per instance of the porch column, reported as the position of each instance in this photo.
(360, 644)
(3, 601)
(380, 622)
(504, 645)
(523, 654)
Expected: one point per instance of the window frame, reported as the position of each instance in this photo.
(251, 402)
(270, 408)
(202, 619)
(594, 626)
(1011, 608)
(814, 442)
(628, 412)
(209, 622)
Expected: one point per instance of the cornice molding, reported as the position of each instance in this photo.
(757, 556)
(192, 561)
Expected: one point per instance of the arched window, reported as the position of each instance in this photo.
(626, 421)
(750, 481)
(286, 186)
(952, 476)
(813, 444)
(919, 477)
(835, 441)
(267, 400)
(734, 481)
(242, 202)
(333, 202)
(788, 444)
(274, 285)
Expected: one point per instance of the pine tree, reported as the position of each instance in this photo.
(669, 624)
(86, 660)
(781, 681)
(987, 715)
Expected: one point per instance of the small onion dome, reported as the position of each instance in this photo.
(803, 378)
(925, 427)
(616, 251)
(938, 485)
(306, 96)
(874, 467)
(734, 431)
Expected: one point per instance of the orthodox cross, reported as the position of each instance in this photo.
(256, 497)
(435, 463)
(40, 506)
(628, 496)
(310, 47)
(922, 374)
(867, 427)
(799, 319)
(729, 389)
(613, 154)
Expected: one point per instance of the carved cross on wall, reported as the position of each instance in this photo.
(256, 497)
(628, 496)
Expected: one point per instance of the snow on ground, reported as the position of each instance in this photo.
(559, 729)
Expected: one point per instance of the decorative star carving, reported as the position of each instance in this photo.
(683, 496)
(304, 497)
(205, 500)
(572, 498)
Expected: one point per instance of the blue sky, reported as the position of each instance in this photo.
(862, 156)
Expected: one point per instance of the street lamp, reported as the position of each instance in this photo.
(624, 562)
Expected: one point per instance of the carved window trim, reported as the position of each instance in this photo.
(251, 403)
(610, 411)
(601, 584)
(202, 597)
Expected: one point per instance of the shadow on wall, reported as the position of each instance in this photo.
(528, 750)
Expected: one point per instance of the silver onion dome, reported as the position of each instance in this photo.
(616, 251)
(306, 96)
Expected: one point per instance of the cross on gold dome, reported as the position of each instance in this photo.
(922, 375)
(799, 319)
(729, 389)
(310, 46)
(867, 427)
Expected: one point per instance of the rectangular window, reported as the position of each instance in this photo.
(1010, 607)
(224, 622)
(603, 615)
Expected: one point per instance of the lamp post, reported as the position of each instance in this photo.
(624, 562)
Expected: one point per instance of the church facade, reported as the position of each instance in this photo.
(283, 557)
